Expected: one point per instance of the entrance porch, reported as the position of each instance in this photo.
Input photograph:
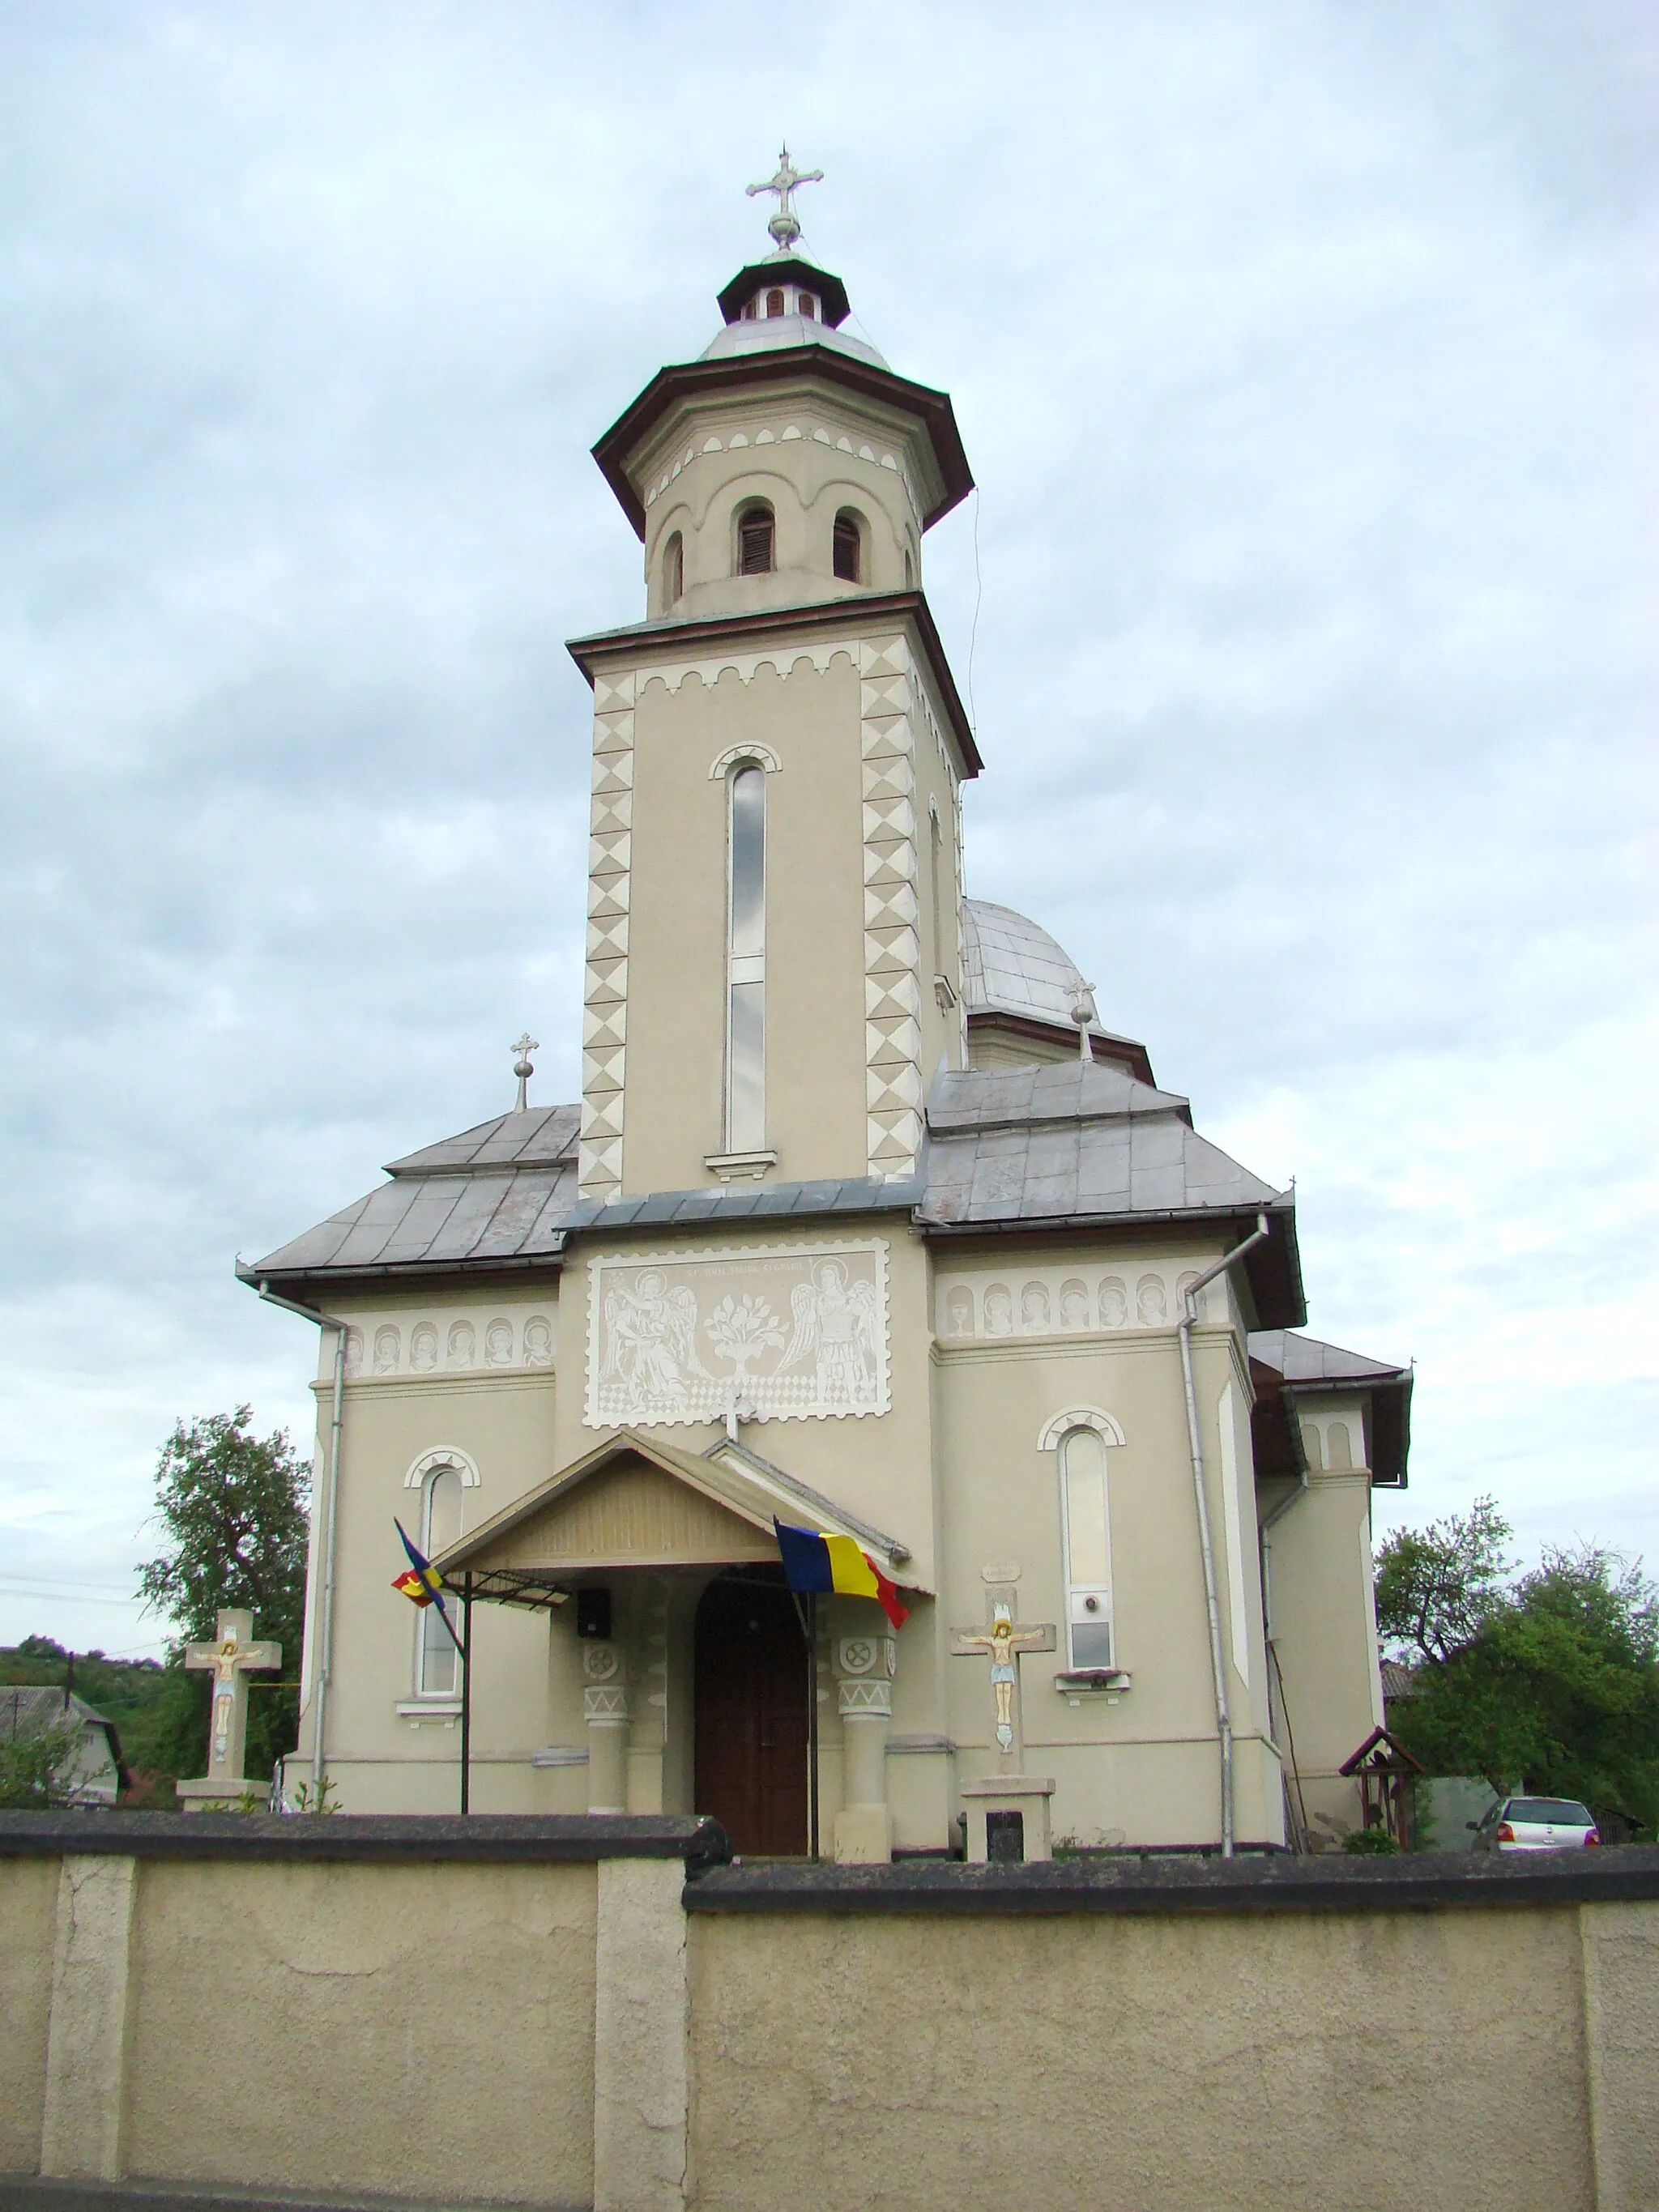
(705, 1686)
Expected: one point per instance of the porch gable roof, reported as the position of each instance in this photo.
(664, 1502)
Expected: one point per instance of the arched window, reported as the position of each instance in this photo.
(1088, 1548)
(438, 1664)
(909, 571)
(847, 546)
(809, 305)
(774, 302)
(746, 962)
(673, 569)
(755, 541)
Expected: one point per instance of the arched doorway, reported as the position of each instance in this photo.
(750, 1716)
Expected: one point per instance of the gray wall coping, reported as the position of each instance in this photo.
(370, 1839)
(1186, 1883)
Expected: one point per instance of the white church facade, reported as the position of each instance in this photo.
(864, 1223)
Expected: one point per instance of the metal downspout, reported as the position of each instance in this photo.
(1264, 1528)
(1195, 1445)
(325, 1595)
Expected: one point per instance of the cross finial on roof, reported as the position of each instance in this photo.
(1083, 1012)
(785, 226)
(522, 1069)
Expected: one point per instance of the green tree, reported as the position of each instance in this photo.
(1436, 1587)
(234, 1509)
(1558, 1688)
(37, 1765)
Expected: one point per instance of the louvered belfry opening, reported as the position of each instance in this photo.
(846, 548)
(755, 542)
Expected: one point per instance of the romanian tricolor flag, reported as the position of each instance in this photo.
(420, 1580)
(814, 1562)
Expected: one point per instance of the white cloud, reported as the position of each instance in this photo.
(1297, 355)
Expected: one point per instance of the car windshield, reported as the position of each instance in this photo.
(1549, 1812)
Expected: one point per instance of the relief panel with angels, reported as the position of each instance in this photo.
(797, 1333)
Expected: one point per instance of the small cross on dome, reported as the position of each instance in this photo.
(784, 226)
(522, 1069)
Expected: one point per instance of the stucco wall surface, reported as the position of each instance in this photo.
(1621, 2018)
(412, 2030)
(29, 1917)
(1142, 2062)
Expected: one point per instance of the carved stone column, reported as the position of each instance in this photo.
(606, 1710)
(865, 1667)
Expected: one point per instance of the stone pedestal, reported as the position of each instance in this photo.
(1023, 1795)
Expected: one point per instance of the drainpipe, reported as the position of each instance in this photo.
(1195, 1445)
(325, 1595)
(1264, 1528)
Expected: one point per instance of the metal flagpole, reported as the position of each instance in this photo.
(813, 1723)
(466, 1692)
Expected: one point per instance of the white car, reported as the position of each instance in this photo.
(1535, 1824)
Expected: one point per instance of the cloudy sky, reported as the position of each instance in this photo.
(1300, 351)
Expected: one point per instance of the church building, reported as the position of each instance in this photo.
(864, 1224)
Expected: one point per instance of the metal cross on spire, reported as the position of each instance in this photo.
(522, 1069)
(784, 226)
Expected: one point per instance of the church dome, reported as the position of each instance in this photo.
(768, 333)
(1012, 967)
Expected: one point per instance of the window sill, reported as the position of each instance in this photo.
(740, 1167)
(447, 1709)
(1092, 1680)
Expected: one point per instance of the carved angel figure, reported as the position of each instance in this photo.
(650, 1338)
(837, 1326)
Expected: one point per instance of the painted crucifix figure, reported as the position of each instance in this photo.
(231, 1654)
(1001, 1641)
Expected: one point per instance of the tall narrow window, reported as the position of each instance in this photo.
(808, 306)
(846, 547)
(746, 1017)
(935, 839)
(673, 569)
(439, 1664)
(774, 303)
(755, 541)
(1088, 1548)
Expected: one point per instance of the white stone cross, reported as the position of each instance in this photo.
(1001, 1641)
(231, 1654)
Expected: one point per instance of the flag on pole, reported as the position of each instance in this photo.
(420, 1580)
(813, 1561)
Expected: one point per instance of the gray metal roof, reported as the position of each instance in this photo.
(1007, 1148)
(1011, 966)
(1008, 962)
(539, 1137)
(758, 1201)
(27, 1706)
(770, 333)
(1076, 1140)
(1304, 1359)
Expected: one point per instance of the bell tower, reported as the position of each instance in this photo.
(773, 964)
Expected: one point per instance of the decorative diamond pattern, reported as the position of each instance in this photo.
(892, 983)
(605, 1017)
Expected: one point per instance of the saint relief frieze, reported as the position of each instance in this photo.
(787, 1333)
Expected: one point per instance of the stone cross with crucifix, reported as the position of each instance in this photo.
(1002, 1639)
(232, 1654)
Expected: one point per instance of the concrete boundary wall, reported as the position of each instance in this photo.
(601, 2012)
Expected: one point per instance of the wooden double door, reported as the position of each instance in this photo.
(751, 1676)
